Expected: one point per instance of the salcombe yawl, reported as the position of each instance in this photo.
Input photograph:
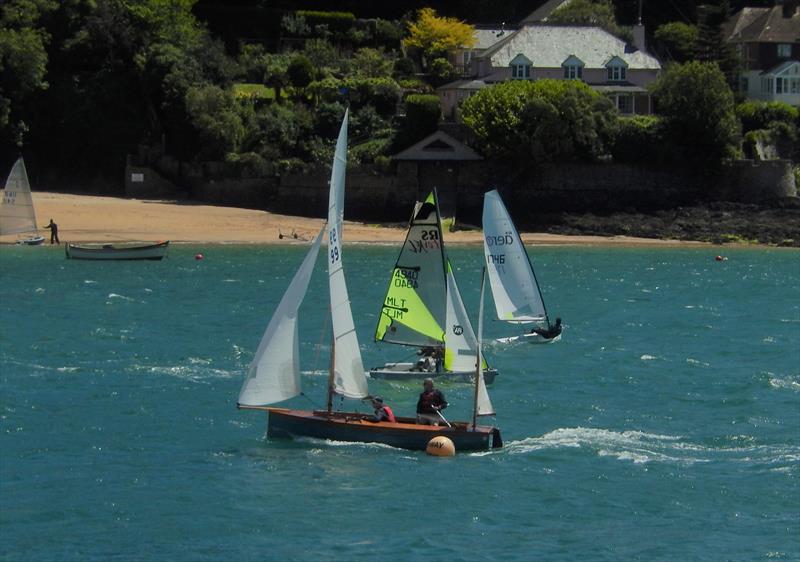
(516, 293)
(423, 306)
(274, 374)
(16, 207)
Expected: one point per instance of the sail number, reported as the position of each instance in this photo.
(334, 246)
(496, 259)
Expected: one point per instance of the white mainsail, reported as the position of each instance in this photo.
(461, 347)
(349, 379)
(274, 374)
(483, 405)
(16, 207)
(516, 293)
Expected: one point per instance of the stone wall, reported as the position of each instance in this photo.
(574, 188)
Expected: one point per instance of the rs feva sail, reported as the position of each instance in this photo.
(461, 347)
(274, 374)
(16, 208)
(414, 310)
(349, 378)
(516, 293)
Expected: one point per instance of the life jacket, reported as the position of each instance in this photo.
(390, 414)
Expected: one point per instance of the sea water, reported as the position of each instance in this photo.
(665, 425)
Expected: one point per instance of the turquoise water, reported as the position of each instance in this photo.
(664, 426)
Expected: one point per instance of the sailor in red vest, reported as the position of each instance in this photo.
(430, 404)
(382, 411)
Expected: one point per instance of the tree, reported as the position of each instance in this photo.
(697, 105)
(23, 61)
(678, 39)
(276, 73)
(541, 121)
(422, 118)
(599, 13)
(370, 63)
(711, 45)
(436, 36)
(212, 112)
(300, 71)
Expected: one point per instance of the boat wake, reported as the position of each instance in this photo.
(641, 447)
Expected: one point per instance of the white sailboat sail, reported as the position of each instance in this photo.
(516, 293)
(483, 405)
(461, 346)
(274, 374)
(16, 209)
(349, 379)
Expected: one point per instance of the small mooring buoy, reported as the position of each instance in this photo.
(198, 257)
(441, 446)
(721, 258)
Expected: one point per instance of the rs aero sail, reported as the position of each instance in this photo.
(274, 374)
(515, 289)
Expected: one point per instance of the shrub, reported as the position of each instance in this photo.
(404, 68)
(422, 118)
(441, 72)
(759, 115)
(638, 140)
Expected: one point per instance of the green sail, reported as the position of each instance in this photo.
(414, 309)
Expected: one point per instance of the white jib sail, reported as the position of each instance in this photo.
(514, 288)
(460, 344)
(16, 209)
(274, 374)
(484, 404)
(349, 379)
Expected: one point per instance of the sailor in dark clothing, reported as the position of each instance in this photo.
(550, 332)
(431, 402)
(53, 232)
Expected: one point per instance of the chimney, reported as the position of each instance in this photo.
(790, 7)
(638, 32)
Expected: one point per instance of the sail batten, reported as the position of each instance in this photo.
(17, 215)
(516, 293)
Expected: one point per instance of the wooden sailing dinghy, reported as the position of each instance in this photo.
(274, 374)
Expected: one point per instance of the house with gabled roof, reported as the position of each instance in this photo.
(768, 43)
(569, 52)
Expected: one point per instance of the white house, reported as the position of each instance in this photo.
(601, 60)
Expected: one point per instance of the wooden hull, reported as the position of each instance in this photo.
(353, 427)
(117, 251)
(393, 373)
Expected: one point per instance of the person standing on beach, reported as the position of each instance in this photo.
(431, 402)
(53, 232)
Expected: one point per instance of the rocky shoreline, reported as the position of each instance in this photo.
(718, 223)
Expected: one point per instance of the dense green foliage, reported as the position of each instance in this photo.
(776, 124)
(598, 13)
(678, 40)
(638, 140)
(422, 117)
(541, 121)
(698, 110)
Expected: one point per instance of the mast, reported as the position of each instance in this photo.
(479, 365)
(331, 373)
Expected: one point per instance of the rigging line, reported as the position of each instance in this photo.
(322, 336)
(680, 13)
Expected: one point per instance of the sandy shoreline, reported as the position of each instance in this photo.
(89, 218)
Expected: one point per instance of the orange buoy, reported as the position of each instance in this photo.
(199, 256)
(441, 446)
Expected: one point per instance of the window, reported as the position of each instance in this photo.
(520, 71)
(573, 72)
(784, 50)
(795, 85)
(779, 85)
(766, 85)
(624, 103)
(745, 84)
(616, 73)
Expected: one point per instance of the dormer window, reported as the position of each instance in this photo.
(521, 67)
(573, 68)
(616, 69)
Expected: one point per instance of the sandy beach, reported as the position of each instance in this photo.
(89, 218)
